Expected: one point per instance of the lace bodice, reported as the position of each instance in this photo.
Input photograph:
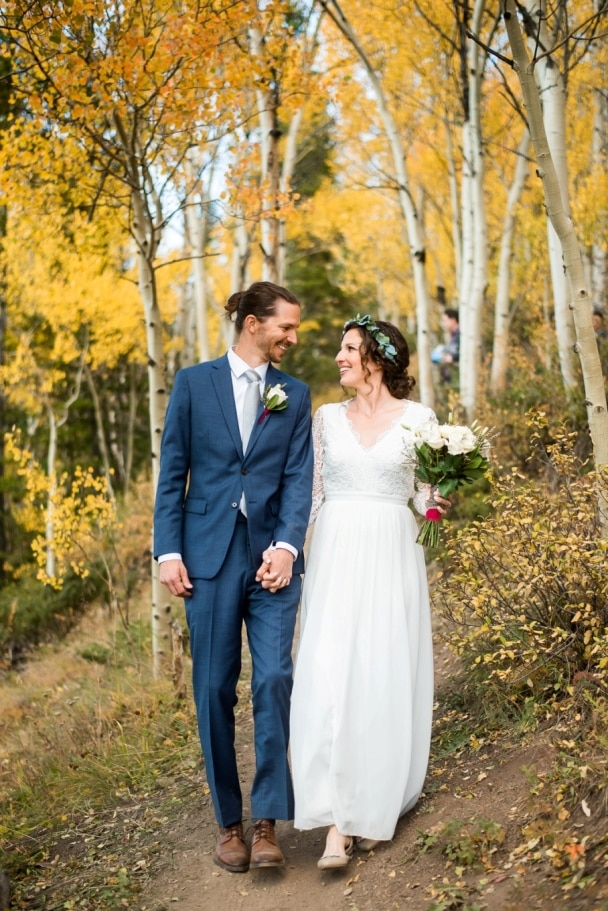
(344, 465)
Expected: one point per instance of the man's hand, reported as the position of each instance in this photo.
(276, 569)
(174, 575)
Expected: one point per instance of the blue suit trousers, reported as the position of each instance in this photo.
(216, 612)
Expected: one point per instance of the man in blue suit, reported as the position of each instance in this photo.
(231, 513)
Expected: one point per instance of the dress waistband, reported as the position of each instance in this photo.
(363, 495)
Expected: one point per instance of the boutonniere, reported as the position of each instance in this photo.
(274, 399)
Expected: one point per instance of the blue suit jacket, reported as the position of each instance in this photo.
(203, 470)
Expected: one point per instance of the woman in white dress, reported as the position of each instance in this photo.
(363, 688)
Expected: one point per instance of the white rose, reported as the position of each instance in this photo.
(277, 395)
(461, 440)
(429, 433)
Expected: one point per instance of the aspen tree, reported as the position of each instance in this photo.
(579, 304)
(132, 82)
(406, 201)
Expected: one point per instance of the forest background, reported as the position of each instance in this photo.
(385, 158)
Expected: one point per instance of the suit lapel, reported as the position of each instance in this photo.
(222, 382)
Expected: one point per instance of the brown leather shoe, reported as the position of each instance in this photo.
(265, 851)
(231, 851)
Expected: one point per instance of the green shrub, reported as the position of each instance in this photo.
(32, 612)
(526, 593)
(465, 842)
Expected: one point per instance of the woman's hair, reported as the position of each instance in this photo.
(258, 300)
(394, 363)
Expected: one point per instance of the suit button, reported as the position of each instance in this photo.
(244, 471)
(234, 505)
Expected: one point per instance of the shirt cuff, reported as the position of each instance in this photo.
(285, 546)
(164, 557)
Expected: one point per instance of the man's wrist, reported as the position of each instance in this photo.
(283, 545)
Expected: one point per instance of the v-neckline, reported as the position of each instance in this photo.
(357, 436)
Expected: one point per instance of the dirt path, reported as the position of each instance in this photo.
(488, 784)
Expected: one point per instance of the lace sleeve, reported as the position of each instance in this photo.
(423, 491)
(318, 493)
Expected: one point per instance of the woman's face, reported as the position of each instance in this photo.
(348, 360)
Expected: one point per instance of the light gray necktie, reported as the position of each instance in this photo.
(251, 404)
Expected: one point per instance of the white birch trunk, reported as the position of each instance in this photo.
(599, 164)
(453, 186)
(586, 346)
(287, 169)
(146, 215)
(502, 314)
(269, 143)
(553, 94)
(197, 219)
(240, 277)
(157, 400)
(49, 526)
(475, 229)
(54, 424)
(408, 209)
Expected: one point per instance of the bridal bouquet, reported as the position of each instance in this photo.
(447, 456)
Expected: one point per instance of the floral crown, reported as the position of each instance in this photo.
(382, 340)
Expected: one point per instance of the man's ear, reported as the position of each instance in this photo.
(250, 324)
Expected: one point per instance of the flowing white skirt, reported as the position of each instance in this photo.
(363, 689)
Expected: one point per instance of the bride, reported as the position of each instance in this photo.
(363, 688)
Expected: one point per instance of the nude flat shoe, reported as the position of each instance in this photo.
(337, 861)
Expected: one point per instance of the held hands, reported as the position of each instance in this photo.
(276, 569)
(174, 575)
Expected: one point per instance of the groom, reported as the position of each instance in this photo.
(231, 512)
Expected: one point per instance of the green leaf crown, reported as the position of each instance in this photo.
(383, 341)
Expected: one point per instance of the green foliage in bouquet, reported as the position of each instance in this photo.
(447, 471)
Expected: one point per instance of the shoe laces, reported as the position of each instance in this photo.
(263, 829)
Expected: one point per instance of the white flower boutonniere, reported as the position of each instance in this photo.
(275, 399)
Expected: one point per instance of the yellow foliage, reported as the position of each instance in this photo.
(83, 515)
(70, 275)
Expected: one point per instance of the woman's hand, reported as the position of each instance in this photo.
(442, 504)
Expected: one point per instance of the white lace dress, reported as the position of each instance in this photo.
(363, 689)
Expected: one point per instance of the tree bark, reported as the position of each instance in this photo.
(268, 101)
(586, 345)
(502, 311)
(197, 222)
(474, 224)
(147, 235)
(552, 90)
